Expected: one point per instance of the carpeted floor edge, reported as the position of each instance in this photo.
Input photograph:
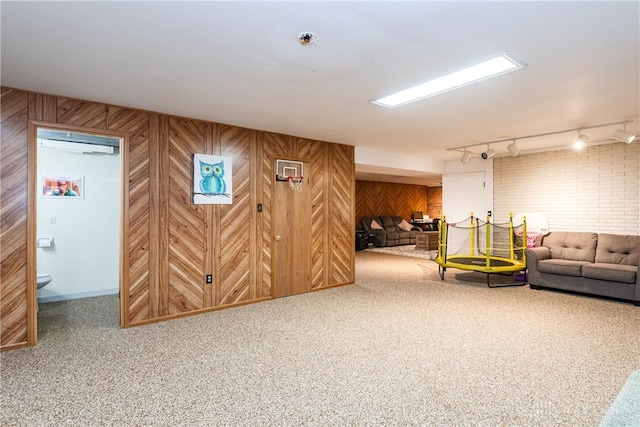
(625, 411)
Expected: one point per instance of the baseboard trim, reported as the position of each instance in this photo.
(66, 297)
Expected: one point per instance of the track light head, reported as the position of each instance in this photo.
(579, 144)
(513, 149)
(622, 135)
(489, 153)
(465, 156)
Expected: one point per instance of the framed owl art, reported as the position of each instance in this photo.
(212, 184)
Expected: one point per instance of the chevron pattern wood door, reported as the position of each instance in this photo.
(13, 218)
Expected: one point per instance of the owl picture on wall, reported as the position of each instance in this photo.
(212, 184)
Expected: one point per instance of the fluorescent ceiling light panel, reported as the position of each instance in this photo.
(76, 146)
(485, 70)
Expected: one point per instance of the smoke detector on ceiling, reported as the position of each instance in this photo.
(307, 39)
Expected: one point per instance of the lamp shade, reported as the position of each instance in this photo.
(623, 136)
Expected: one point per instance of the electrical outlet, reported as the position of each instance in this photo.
(259, 207)
(52, 219)
(209, 278)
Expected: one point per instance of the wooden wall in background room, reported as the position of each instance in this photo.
(170, 244)
(434, 202)
(385, 198)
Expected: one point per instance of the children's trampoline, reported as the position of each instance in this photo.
(482, 246)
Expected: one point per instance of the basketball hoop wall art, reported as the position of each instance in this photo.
(212, 184)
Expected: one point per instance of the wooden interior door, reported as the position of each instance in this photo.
(291, 238)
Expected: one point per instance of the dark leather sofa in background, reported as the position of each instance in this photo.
(391, 234)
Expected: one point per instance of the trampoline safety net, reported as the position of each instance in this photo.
(474, 244)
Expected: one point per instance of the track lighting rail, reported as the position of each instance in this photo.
(464, 147)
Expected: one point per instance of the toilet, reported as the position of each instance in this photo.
(43, 279)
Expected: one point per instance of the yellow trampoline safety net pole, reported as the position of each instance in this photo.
(524, 240)
(442, 238)
(471, 237)
(488, 243)
(511, 252)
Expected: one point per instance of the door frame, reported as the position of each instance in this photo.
(32, 189)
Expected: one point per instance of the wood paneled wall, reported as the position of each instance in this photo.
(13, 218)
(384, 198)
(434, 202)
(169, 243)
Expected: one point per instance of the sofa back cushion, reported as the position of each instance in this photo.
(572, 245)
(375, 225)
(390, 223)
(405, 226)
(365, 222)
(618, 249)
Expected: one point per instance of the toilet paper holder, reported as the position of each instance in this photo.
(44, 242)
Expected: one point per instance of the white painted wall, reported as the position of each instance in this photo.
(84, 260)
(466, 188)
(597, 189)
(369, 157)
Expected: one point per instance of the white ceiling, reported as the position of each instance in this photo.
(240, 63)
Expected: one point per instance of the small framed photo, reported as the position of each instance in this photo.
(62, 186)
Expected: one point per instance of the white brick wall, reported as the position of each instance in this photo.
(597, 189)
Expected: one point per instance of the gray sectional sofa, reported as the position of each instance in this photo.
(391, 234)
(597, 264)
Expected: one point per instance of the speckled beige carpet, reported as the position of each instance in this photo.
(398, 348)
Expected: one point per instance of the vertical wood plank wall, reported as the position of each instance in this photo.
(172, 244)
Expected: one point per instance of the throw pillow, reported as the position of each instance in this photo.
(375, 225)
(404, 226)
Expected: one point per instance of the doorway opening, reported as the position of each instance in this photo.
(78, 213)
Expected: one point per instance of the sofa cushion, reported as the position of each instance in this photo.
(392, 236)
(611, 272)
(572, 245)
(405, 226)
(387, 222)
(618, 249)
(365, 223)
(561, 267)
